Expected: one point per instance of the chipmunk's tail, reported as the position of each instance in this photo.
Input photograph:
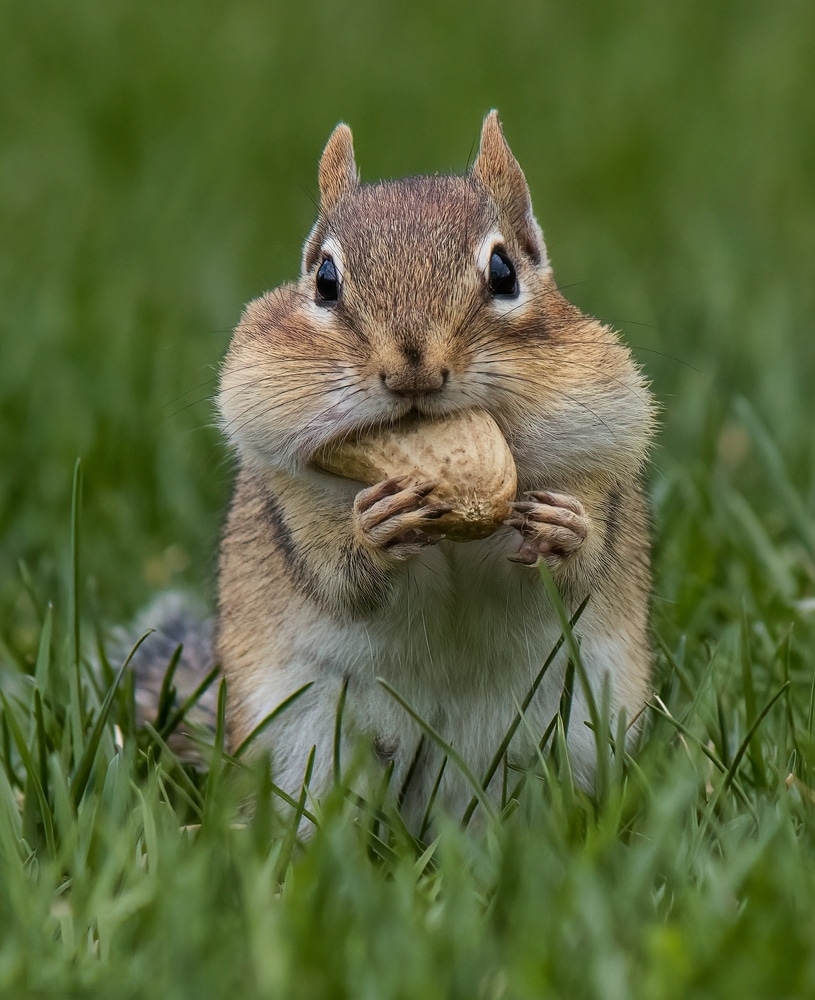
(177, 621)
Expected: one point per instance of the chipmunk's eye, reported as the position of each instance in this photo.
(503, 280)
(328, 282)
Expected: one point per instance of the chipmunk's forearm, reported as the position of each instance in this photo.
(309, 535)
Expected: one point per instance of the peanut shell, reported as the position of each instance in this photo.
(466, 454)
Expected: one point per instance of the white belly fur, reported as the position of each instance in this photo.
(462, 641)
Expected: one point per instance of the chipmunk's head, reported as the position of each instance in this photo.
(428, 295)
(416, 268)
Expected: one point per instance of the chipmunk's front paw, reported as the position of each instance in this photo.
(396, 517)
(553, 526)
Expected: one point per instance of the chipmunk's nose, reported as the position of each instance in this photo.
(415, 382)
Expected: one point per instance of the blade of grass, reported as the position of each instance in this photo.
(431, 799)
(43, 662)
(809, 774)
(264, 724)
(724, 740)
(695, 689)
(790, 736)
(276, 790)
(562, 713)
(711, 756)
(598, 720)
(426, 860)
(291, 838)
(504, 744)
(83, 771)
(38, 747)
(104, 674)
(5, 741)
(756, 755)
(76, 708)
(411, 771)
(188, 703)
(166, 694)
(171, 767)
(11, 829)
(688, 734)
(127, 703)
(748, 739)
(445, 747)
(338, 729)
(618, 760)
(40, 739)
(150, 840)
(730, 776)
(217, 757)
(381, 848)
(375, 808)
(33, 779)
(563, 769)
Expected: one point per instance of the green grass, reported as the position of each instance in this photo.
(157, 170)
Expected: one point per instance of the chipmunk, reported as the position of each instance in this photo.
(427, 296)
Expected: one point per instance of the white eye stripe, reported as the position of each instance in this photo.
(488, 244)
(513, 305)
(331, 248)
(319, 314)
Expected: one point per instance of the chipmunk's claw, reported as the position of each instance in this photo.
(553, 525)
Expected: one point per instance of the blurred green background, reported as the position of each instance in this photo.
(158, 169)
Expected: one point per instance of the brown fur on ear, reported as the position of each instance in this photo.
(338, 169)
(500, 173)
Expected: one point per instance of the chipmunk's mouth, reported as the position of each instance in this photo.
(401, 418)
(429, 407)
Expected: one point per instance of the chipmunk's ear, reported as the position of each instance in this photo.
(500, 173)
(338, 169)
(337, 176)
